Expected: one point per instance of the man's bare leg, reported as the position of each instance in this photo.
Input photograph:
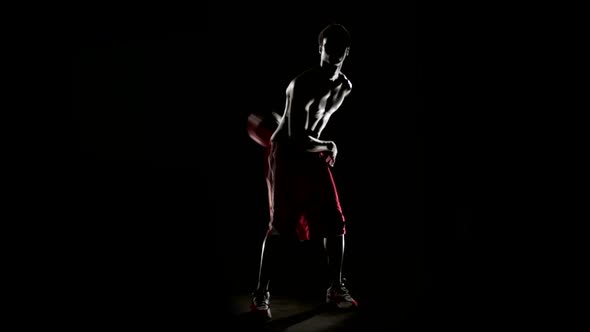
(267, 269)
(334, 246)
(268, 262)
(337, 293)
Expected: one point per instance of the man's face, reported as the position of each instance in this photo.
(333, 52)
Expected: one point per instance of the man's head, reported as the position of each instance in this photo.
(334, 42)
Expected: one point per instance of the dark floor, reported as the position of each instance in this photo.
(302, 313)
(381, 308)
(290, 313)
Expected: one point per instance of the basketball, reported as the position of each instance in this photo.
(261, 127)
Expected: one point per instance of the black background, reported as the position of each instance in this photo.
(166, 200)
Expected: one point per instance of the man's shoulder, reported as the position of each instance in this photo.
(306, 74)
(345, 81)
(303, 78)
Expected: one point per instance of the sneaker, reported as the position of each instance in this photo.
(340, 297)
(261, 305)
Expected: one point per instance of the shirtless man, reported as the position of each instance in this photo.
(302, 194)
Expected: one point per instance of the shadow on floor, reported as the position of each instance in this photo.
(317, 318)
(280, 324)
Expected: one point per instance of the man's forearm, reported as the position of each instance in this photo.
(308, 143)
(316, 145)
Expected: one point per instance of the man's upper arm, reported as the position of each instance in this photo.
(342, 94)
(347, 86)
(298, 115)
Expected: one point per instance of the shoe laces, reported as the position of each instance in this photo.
(342, 291)
(261, 299)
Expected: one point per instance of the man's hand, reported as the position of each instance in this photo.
(331, 154)
(327, 149)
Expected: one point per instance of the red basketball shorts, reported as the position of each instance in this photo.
(302, 194)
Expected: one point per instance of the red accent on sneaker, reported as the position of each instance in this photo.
(266, 313)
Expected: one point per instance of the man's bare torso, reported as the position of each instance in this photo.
(312, 98)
